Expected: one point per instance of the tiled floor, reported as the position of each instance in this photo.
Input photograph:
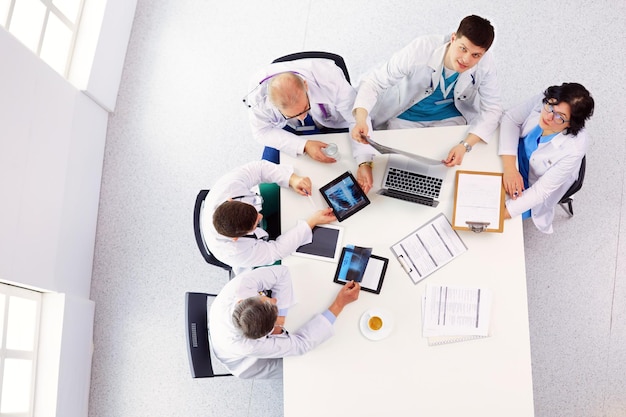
(179, 124)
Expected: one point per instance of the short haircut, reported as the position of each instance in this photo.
(234, 218)
(580, 102)
(478, 30)
(285, 89)
(255, 317)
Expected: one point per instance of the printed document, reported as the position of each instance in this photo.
(428, 248)
(456, 311)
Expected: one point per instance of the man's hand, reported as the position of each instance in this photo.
(321, 217)
(301, 185)
(313, 148)
(360, 130)
(364, 177)
(349, 293)
(455, 156)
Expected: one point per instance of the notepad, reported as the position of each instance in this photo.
(454, 314)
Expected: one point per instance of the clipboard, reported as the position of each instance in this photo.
(478, 202)
(428, 248)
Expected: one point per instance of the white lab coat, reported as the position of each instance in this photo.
(553, 167)
(245, 253)
(328, 88)
(413, 73)
(260, 358)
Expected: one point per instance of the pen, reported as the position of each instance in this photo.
(311, 200)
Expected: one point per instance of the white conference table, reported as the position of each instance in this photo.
(350, 375)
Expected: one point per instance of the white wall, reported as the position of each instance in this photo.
(52, 138)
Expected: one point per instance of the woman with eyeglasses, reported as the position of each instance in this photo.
(542, 144)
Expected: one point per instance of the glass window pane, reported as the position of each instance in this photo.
(16, 386)
(2, 303)
(4, 11)
(69, 8)
(21, 323)
(27, 22)
(56, 44)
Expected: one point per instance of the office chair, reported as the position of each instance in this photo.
(316, 54)
(271, 154)
(204, 250)
(197, 332)
(567, 197)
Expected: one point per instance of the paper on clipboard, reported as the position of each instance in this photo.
(428, 248)
(478, 199)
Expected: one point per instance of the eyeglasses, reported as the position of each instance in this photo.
(253, 199)
(559, 118)
(308, 108)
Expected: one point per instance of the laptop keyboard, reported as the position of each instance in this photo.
(412, 183)
(409, 197)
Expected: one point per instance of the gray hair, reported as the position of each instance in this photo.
(285, 89)
(255, 317)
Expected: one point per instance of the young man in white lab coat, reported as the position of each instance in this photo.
(230, 217)
(433, 81)
(290, 100)
(247, 327)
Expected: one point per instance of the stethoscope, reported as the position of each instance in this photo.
(431, 88)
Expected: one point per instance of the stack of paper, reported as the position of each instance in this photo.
(454, 314)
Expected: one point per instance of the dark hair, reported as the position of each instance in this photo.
(478, 30)
(254, 317)
(580, 102)
(234, 218)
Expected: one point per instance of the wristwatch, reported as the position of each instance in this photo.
(468, 147)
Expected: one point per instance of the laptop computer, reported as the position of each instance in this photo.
(409, 179)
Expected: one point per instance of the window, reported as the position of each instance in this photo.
(46, 27)
(20, 311)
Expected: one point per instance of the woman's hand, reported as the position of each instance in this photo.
(511, 179)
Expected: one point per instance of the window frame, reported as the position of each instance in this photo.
(8, 291)
(73, 26)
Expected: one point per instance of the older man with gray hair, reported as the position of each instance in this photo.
(289, 100)
(247, 327)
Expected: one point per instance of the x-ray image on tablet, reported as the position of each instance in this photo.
(344, 196)
(359, 265)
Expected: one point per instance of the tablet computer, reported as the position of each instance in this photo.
(344, 196)
(358, 264)
(326, 244)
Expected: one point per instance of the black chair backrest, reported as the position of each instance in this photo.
(197, 333)
(204, 250)
(577, 185)
(317, 54)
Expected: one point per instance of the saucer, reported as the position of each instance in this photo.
(376, 334)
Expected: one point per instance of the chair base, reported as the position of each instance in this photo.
(566, 204)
